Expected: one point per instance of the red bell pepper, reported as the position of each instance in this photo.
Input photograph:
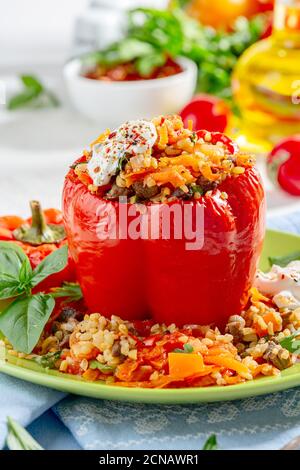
(36, 253)
(136, 279)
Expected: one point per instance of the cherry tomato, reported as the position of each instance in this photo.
(283, 165)
(207, 112)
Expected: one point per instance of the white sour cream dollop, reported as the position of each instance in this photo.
(282, 284)
(131, 139)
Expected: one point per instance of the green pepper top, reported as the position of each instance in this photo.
(39, 232)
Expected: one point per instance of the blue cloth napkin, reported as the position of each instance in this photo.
(266, 422)
(23, 401)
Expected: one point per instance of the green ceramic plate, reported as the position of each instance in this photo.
(276, 244)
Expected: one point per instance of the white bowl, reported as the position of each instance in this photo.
(111, 103)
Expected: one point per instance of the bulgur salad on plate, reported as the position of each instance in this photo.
(148, 312)
(261, 341)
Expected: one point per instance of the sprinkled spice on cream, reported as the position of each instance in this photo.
(131, 139)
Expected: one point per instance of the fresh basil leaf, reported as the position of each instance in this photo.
(18, 438)
(53, 263)
(47, 360)
(15, 270)
(32, 82)
(9, 287)
(283, 261)
(33, 95)
(291, 344)
(23, 321)
(102, 367)
(11, 259)
(22, 99)
(70, 290)
(211, 443)
(25, 273)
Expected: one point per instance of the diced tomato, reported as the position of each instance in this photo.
(216, 137)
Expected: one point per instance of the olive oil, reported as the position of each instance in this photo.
(266, 82)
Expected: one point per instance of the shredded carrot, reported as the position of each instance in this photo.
(229, 363)
(190, 161)
(101, 138)
(208, 174)
(175, 175)
(256, 296)
(163, 137)
(273, 318)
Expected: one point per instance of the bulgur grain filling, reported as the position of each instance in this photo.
(144, 354)
(177, 163)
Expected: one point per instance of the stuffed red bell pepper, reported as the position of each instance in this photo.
(39, 236)
(137, 270)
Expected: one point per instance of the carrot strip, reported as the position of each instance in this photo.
(229, 363)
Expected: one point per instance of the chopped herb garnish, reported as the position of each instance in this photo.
(193, 137)
(197, 189)
(122, 162)
(187, 348)
(47, 360)
(104, 368)
(291, 343)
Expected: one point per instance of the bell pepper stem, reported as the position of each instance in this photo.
(39, 232)
(38, 218)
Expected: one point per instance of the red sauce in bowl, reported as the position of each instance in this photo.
(128, 72)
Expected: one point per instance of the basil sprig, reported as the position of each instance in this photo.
(23, 320)
(33, 94)
(70, 290)
(283, 261)
(18, 438)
